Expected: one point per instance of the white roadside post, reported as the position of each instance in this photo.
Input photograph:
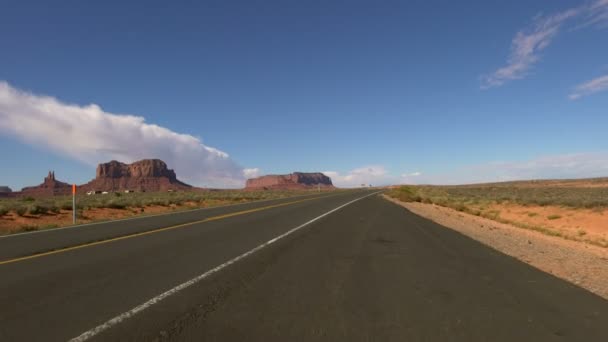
(74, 203)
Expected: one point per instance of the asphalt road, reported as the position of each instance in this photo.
(370, 271)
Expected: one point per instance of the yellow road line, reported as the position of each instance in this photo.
(153, 231)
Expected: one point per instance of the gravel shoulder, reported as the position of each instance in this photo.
(579, 263)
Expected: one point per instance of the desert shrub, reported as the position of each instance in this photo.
(115, 204)
(492, 214)
(406, 194)
(553, 217)
(3, 211)
(28, 228)
(28, 199)
(66, 206)
(459, 207)
(21, 210)
(37, 209)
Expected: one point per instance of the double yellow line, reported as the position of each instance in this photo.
(153, 231)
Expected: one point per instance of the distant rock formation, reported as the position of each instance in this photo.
(143, 175)
(293, 181)
(49, 187)
(5, 191)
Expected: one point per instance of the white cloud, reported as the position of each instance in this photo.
(251, 173)
(526, 48)
(374, 175)
(593, 86)
(91, 135)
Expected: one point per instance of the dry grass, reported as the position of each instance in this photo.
(29, 214)
(546, 208)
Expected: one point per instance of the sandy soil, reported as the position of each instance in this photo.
(580, 263)
(589, 225)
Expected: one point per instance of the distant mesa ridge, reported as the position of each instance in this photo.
(296, 180)
(143, 175)
(152, 175)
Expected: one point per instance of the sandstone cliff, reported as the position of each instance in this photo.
(296, 180)
(143, 175)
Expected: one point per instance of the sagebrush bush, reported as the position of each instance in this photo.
(66, 206)
(21, 210)
(37, 209)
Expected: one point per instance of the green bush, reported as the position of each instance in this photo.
(37, 209)
(116, 205)
(405, 194)
(3, 211)
(21, 210)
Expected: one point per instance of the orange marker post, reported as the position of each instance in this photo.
(74, 203)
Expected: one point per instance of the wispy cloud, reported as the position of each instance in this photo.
(593, 86)
(577, 165)
(92, 135)
(526, 48)
(527, 45)
(596, 14)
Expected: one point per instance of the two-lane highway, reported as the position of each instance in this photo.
(57, 284)
(347, 266)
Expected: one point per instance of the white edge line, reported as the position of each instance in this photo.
(147, 216)
(126, 315)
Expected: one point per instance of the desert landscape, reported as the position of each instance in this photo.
(304, 171)
(145, 187)
(571, 209)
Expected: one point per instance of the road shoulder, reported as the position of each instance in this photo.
(581, 264)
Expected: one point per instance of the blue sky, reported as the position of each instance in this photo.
(377, 92)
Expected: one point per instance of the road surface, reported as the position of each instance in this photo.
(368, 271)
